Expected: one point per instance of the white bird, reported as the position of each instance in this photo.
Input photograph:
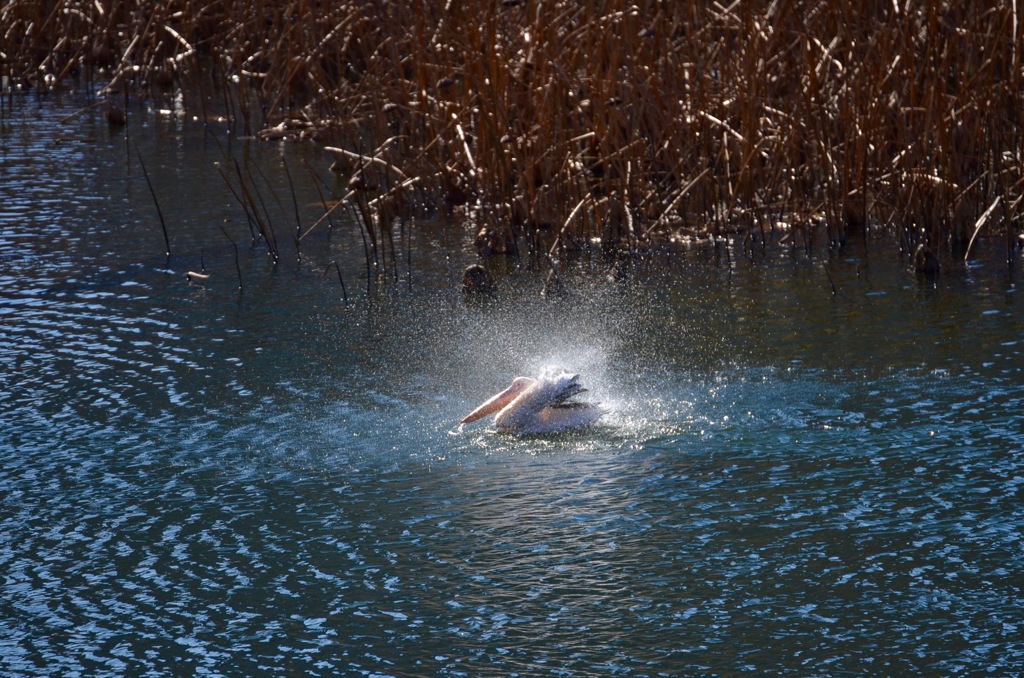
(532, 406)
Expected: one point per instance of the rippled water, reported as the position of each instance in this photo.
(195, 480)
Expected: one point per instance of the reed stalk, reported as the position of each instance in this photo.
(646, 121)
(156, 203)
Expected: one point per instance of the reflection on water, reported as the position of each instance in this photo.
(232, 483)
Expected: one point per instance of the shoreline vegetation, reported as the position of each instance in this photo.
(559, 125)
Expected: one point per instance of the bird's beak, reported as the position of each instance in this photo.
(496, 403)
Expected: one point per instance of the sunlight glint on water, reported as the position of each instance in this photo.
(197, 480)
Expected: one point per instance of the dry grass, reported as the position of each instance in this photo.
(629, 124)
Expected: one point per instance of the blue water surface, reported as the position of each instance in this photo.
(812, 463)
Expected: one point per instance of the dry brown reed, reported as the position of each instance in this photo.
(552, 124)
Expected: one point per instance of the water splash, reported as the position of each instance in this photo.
(528, 335)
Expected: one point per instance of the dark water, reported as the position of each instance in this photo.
(199, 481)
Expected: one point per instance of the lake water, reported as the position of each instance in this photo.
(205, 481)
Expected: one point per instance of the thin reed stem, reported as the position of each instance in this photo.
(159, 212)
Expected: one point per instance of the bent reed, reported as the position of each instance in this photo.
(553, 124)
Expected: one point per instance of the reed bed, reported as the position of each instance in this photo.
(557, 124)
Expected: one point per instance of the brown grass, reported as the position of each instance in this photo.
(560, 123)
